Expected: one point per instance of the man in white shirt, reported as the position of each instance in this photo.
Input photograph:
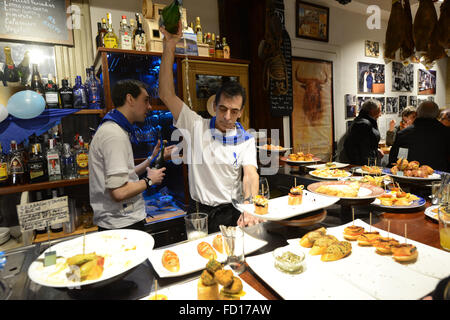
(217, 149)
(114, 187)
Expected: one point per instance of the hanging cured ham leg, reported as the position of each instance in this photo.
(424, 24)
(443, 26)
(407, 48)
(395, 32)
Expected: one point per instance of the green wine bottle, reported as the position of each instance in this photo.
(170, 16)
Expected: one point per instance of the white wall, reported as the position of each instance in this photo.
(348, 32)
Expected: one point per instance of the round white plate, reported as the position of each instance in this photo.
(429, 212)
(435, 176)
(273, 150)
(330, 178)
(361, 171)
(366, 190)
(286, 159)
(415, 204)
(337, 165)
(122, 249)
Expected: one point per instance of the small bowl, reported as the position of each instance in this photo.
(289, 259)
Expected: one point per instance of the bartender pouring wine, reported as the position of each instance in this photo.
(218, 148)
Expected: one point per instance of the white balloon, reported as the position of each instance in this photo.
(3, 112)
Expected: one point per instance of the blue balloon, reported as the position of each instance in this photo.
(26, 104)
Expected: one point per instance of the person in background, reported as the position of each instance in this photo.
(427, 140)
(444, 117)
(363, 137)
(221, 152)
(408, 116)
(115, 189)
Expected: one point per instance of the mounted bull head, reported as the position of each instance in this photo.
(312, 101)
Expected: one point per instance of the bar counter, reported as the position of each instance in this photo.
(139, 282)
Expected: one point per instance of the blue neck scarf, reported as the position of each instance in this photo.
(119, 118)
(241, 134)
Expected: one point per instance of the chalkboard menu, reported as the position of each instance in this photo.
(282, 104)
(44, 21)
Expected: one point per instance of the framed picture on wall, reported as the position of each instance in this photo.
(382, 102)
(372, 49)
(412, 101)
(351, 107)
(426, 82)
(402, 77)
(392, 105)
(371, 78)
(311, 21)
(402, 103)
(312, 116)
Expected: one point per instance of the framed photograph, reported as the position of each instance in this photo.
(412, 101)
(360, 101)
(402, 77)
(312, 122)
(391, 105)
(382, 102)
(427, 82)
(351, 107)
(371, 78)
(372, 49)
(402, 103)
(312, 21)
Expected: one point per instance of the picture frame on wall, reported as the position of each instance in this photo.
(312, 21)
(372, 49)
(391, 105)
(426, 82)
(382, 101)
(312, 118)
(412, 101)
(402, 103)
(351, 107)
(371, 78)
(360, 101)
(402, 77)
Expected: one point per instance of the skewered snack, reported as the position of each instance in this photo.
(376, 181)
(207, 286)
(295, 195)
(261, 204)
(372, 169)
(330, 173)
(232, 291)
(384, 245)
(272, 147)
(337, 251)
(170, 261)
(404, 252)
(206, 251)
(85, 266)
(411, 169)
(343, 191)
(308, 239)
(352, 232)
(300, 156)
(320, 245)
(218, 243)
(368, 238)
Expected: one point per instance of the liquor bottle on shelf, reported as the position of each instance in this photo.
(68, 163)
(226, 48)
(198, 30)
(24, 69)
(99, 37)
(66, 95)
(37, 165)
(94, 89)
(56, 227)
(110, 39)
(82, 160)
(218, 52)
(36, 82)
(125, 35)
(51, 93)
(132, 31)
(212, 46)
(3, 168)
(16, 170)
(79, 94)
(53, 162)
(139, 39)
(10, 72)
(39, 197)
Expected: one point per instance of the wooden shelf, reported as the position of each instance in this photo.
(43, 185)
(91, 111)
(58, 235)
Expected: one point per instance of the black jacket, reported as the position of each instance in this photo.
(362, 140)
(427, 141)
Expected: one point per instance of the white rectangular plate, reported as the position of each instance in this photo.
(280, 210)
(190, 260)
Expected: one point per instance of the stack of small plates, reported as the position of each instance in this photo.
(4, 235)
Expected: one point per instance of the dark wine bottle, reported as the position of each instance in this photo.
(170, 16)
(36, 82)
(159, 161)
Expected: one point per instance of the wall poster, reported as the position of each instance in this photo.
(312, 117)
